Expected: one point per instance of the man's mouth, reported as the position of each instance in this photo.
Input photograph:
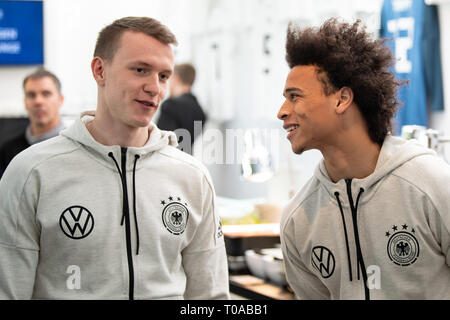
(147, 104)
(40, 114)
(290, 128)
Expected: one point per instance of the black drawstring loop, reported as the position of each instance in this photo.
(361, 190)
(136, 157)
(359, 257)
(111, 155)
(336, 194)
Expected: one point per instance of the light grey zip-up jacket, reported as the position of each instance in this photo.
(80, 220)
(382, 237)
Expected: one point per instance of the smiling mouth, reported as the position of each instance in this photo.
(292, 127)
(291, 130)
(147, 104)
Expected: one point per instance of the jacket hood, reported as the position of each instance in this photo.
(79, 134)
(394, 152)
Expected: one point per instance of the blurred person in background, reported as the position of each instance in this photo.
(43, 100)
(181, 110)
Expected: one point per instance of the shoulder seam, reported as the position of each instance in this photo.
(190, 163)
(289, 216)
(421, 191)
(31, 169)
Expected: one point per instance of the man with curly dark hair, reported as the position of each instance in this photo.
(373, 222)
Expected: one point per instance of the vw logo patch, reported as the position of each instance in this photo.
(323, 260)
(402, 247)
(175, 216)
(76, 222)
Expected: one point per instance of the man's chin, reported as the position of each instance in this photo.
(298, 150)
(40, 122)
(142, 123)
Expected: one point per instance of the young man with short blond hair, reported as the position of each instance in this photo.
(110, 209)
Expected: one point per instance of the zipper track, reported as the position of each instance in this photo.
(126, 213)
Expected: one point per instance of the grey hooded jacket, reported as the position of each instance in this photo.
(80, 220)
(382, 237)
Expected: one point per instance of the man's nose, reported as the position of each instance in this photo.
(152, 85)
(284, 111)
(38, 100)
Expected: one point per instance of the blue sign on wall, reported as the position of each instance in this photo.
(21, 32)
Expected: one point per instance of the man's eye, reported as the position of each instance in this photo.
(141, 71)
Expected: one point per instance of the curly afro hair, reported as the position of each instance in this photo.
(346, 55)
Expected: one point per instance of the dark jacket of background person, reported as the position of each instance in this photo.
(181, 113)
(10, 149)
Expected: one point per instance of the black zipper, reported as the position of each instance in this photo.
(126, 215)
(359, 255)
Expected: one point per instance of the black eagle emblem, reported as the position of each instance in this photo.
(402, 248)
(176, 218)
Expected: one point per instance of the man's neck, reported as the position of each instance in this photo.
(110, 134)
(352, 158)
(180, 91)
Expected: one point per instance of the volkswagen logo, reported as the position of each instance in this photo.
(323, 260)
(76, 222)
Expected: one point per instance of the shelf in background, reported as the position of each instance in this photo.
(255, 288)
(252, 230)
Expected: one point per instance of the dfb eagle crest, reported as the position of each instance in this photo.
(402, 247)
(175, 215)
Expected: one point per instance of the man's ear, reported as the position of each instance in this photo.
(61, 100)
(98, 70)
(344, 99)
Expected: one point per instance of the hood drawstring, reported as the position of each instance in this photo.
(359, 256)
(354, 208)
(336, 194)
(136, 157)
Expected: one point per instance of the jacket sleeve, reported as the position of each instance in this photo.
(304, 283)
(19, 235)
(436, 177)
(204, 259)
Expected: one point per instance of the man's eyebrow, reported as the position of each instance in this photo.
(292, 89)
(141, 63)
(147, 65)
